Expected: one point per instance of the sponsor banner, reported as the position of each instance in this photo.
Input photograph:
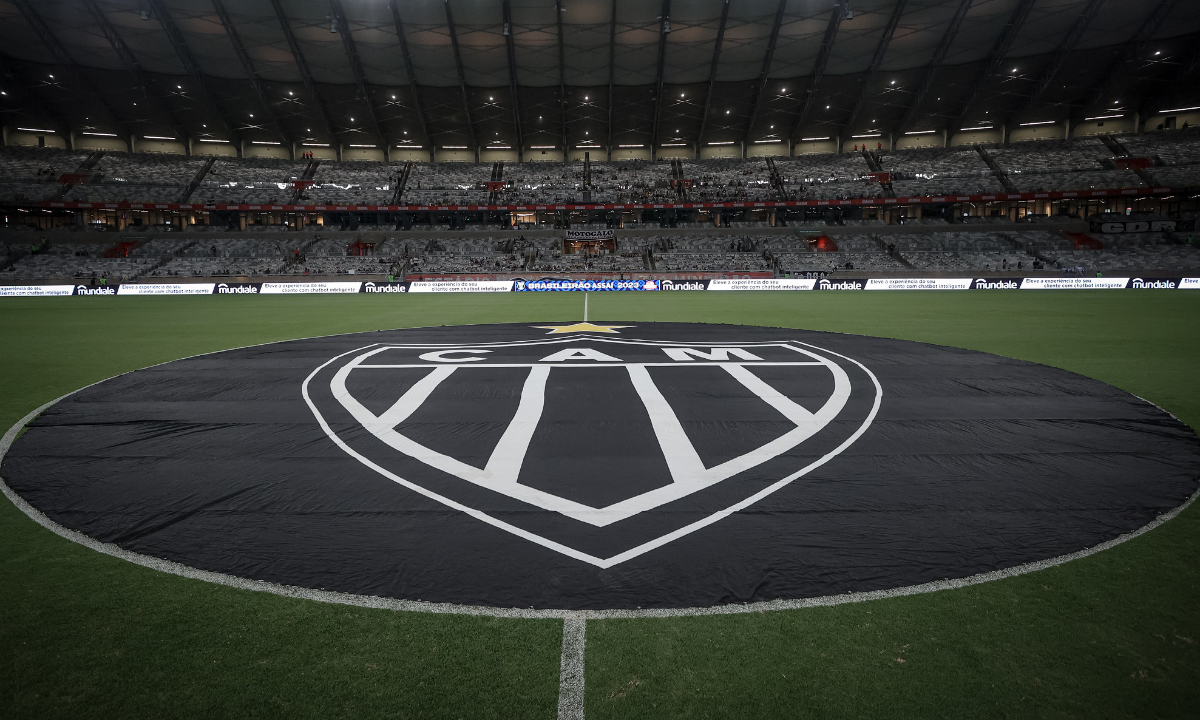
(826, 284)
(553, 285)
(166, 289)
(98, 290)
(760, 284)
(460, 286)
(1133, 226)
(238, 289)
(1074, 283)
(919, 284)
(296, 288)
(384, 287)
(36, 290)
(996, 284)
(591, 234)
(1153, 283)
(683, 284)
(1189, 284)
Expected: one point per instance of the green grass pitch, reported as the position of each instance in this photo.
(1117, 634)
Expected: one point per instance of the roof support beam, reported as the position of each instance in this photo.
(132, 66)
(462, 78)
(1134, 49)
(46, 35)
(248, 67)
(360, 76)
(306, 77)
(664, 30)
(761, 89)
(562, 73)
(1003, 44)
(513, 87)
(193, 69)
(935, 63)
(412, 77)
(814, 78)
(29, 97)
(889, 31)
(1072, 38)
(612, 71)
(712, 76)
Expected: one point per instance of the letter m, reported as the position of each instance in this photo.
(720, 353)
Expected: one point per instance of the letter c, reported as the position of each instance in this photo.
(440, 356)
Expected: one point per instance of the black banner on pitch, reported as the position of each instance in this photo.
(603, 465)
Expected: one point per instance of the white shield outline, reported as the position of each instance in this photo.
(688, 474)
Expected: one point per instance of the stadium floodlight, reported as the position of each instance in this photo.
(1180, 109)
(673, 145)
(866, 135)
(588, 146)
(34, 130)
(498, 147)
(99, 134)
(262, 142)
(768, 141)
(362, 146)
(308, 144)
(920, 132)
(409, 147)
(631, 146)
(1104, 117)
(726, 142)
(1039, 122)
(981, 127)
(543, 147)
(454, 147)
(212, 140)
(814, 139)
(157, 137)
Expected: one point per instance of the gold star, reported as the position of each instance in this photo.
(580, 327)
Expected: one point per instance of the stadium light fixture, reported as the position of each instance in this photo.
(920, 132)
(1039, 122)
(262, 142)
(542, 147)
(251, 114)
(362, 146)
(631, 146)
(1104, 117)
(588, 146)
(213, 140)
(454, 147)
(408, 147)
(499, 147)
(307, 144)
(866, 135)
(767, 141)
(157, 137)
(678, 144)
(34, 130)
(727, 142)
(814, 139)
(1180, 109)
(3, 93)
(981, 127)
(98, 134)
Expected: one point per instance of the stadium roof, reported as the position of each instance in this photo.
(510, 73)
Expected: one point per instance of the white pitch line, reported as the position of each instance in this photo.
(570, 679)
(585, 303)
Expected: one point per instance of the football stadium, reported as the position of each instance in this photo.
(600, 358)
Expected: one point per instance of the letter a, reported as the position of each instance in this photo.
(579, 354)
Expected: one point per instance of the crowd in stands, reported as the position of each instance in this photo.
(31, 174)
(788, 251)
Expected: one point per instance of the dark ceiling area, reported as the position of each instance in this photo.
(549, 73)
